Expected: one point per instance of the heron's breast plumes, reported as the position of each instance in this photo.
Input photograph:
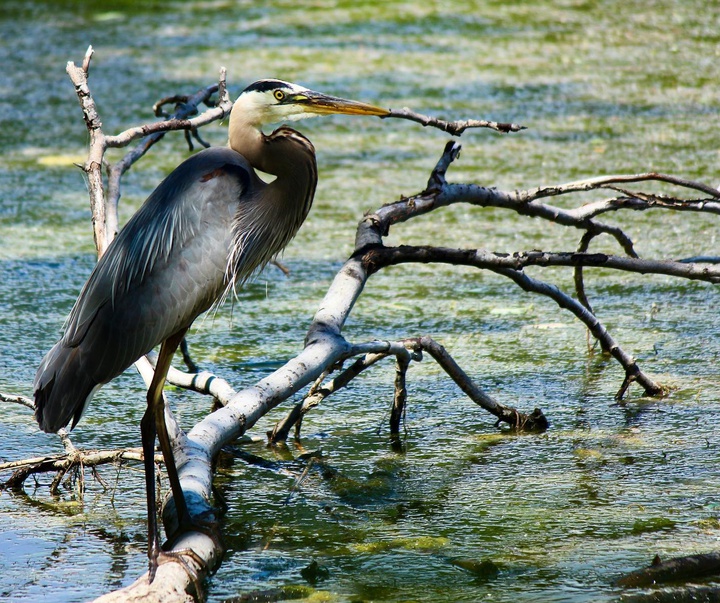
(267, 219)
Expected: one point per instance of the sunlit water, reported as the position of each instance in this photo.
(462, 512)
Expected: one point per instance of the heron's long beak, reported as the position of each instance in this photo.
(322, 104)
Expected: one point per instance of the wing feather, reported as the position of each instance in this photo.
(178, 240)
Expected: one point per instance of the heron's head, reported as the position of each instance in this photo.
(272, 101)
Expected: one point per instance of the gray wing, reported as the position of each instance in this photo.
(165, 267)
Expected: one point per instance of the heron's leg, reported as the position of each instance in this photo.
(153, 423)
(167, 351)
(147, 430)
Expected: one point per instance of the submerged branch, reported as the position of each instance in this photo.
(397, 413)
(675, 570)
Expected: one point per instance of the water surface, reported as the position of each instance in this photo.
(463, 512)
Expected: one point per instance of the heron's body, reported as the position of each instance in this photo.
(206, 228)
(174, 258)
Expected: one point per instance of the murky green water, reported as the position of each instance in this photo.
(604, 87)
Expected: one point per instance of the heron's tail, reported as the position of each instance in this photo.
(62, 388)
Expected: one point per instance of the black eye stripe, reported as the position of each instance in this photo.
(265, 85)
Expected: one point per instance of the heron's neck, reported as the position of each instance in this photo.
(266, 221)
(247, 139)
(287, 155)
(281, 153)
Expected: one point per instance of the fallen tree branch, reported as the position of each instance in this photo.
(379, 257)
(484, 259)
(317, 394)
(61, 463)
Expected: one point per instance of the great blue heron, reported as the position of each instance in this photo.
(206, 228)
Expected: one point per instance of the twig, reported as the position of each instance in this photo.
(188, 106)
(220, 111)
(579, 280)
(30, 403)
(609, 180)
(62, 463)
(455, 128)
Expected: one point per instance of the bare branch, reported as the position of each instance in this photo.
(608, 181)
(535, 421)
(188, 107)
(202, 382)
(317, 394)
(511, 267)
(456, 128)
(62, 463)
(14, 398)
(93, 165)
(481, 258)
(325, 346)
(178, 121)
(440, 193)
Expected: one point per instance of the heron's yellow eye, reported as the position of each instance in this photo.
(279, 95)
